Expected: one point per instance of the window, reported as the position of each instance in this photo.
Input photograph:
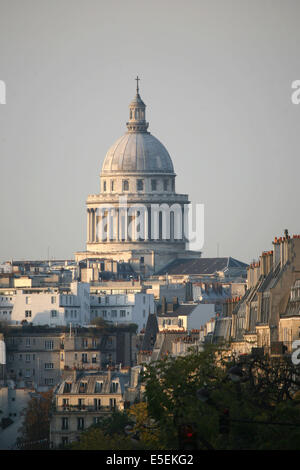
(27, 373)
(53, 300)
(49, 365)
(84, 358)
(49, 382)
(27, 342)
(104, 186)
(85, 343)
(64, 440)
(98, 387)
(27, 300)
(53, 313)
(64, 423)
(97, 403)
(125, 185)
(28, 313)
(112, 402)
(166, 185)
(81, 403)
(114, 387)
(140, 185)
(122, 313)
(104, 313)
(114, 313)
(49, 345)
(67, 387)
(112, 185)
(27, 357)
(80, 424)
(94, 358)
(96, 419)
(153, 185)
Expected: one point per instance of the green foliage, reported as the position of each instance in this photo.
(109, 433)
(97, 439)
(265, 397)
(100, 323)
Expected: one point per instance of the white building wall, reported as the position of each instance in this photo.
(201, 314)
(52, 308)
(123, 308)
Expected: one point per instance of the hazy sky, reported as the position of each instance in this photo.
(216, 77)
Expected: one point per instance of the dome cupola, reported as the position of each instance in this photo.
(137, 151)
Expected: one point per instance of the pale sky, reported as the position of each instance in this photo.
(216, 77)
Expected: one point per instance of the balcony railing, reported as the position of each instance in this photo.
(83, 408)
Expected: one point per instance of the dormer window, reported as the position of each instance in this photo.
(98, 387)
(125, 185)
(114, 387)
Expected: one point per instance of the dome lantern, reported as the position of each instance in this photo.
(137, 113)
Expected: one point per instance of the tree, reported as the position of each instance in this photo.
(101, 323)
(36, 424)
(109, 433)
(260, 406)
(145, 428)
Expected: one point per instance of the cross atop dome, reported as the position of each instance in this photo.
(137, 84)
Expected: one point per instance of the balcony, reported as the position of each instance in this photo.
(83, 409)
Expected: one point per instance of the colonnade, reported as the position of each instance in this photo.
(134, 224)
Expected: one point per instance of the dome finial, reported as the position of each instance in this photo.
(137, 84)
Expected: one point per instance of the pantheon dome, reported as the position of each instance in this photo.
(148, 230)
(136, 152)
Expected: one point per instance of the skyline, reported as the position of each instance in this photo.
(216, 80)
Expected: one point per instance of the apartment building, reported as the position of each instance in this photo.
(82, 400)
(40, 357)
(45, 305)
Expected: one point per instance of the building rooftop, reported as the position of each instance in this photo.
(202, 266)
